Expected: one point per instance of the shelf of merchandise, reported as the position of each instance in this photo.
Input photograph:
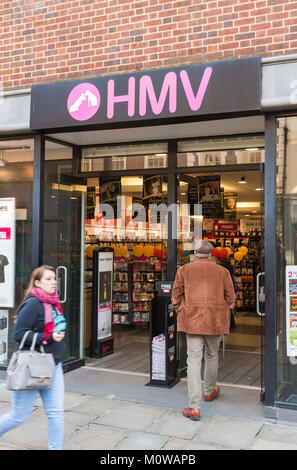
(131, 315)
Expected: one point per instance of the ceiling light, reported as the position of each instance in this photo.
(248, 204)
(182, 194)
(259, 189)
(252, 149)
(242, 180)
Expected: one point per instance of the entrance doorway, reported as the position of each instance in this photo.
(232, 218)
(234, 223)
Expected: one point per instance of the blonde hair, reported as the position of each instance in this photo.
(37, 275)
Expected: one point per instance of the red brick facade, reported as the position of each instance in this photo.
(50, 40)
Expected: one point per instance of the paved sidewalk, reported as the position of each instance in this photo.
(110, 422)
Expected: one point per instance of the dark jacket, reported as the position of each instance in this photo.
(31, 317)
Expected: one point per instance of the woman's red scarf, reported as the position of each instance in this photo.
(48, 301)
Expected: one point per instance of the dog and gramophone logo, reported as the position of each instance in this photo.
(83, 102)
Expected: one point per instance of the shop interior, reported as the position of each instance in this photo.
(231, 217)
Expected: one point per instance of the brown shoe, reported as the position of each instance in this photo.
(192, 413)
(213, 395)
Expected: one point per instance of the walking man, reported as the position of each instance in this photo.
(202, 296)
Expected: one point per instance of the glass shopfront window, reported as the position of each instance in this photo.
(124, 157)
(226, 151)
(16, 187)
(286, 231)
(64, 200)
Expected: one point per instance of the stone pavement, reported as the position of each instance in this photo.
(112, 422)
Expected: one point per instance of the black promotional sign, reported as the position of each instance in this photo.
(163, 336)
(219, 88)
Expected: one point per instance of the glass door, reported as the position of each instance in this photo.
(64, 240)
(229, 213)
(260, 286)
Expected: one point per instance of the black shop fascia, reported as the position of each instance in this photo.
(217, 90)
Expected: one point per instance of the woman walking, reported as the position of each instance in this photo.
(41, 313)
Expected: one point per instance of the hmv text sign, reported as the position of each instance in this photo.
(214, 89)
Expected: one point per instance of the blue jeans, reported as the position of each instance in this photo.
(53, 401)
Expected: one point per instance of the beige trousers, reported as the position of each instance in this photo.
(195, 344)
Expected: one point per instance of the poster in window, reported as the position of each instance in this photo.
(153, 194)
(209, 195)
(109, 191)
(230, 205)
(152, 186)
(291, 310)
(7, 252)
(192, 196)
(91, 202)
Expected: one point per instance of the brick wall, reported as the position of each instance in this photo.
(49, 40)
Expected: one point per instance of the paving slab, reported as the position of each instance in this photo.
(5, 395)
(70, 417)
(278, 433)
(94, 406)
(262, 444)
(131, 416)
(185, 444)
(173, 423)
(33, 434)
(95, 437)
(11, 447)
(236, 433)
(142, 441)
(4, 408)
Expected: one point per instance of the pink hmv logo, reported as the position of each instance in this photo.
(83, 102)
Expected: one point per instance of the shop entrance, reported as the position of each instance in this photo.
(232, 219)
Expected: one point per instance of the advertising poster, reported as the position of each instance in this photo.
(152, 186)
(105, 278)
(291, 310)
(91, 202)
(192, 196)
(3, 336)
(230, 205)
(153, 194)
(209, 195)
(7, 252)
(109, 190)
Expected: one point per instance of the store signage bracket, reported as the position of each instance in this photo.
(203, 90)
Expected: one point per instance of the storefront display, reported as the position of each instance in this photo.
(135, 278)
(7, 252)
(291, 310)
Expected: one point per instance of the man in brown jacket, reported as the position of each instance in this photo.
(202, 296)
